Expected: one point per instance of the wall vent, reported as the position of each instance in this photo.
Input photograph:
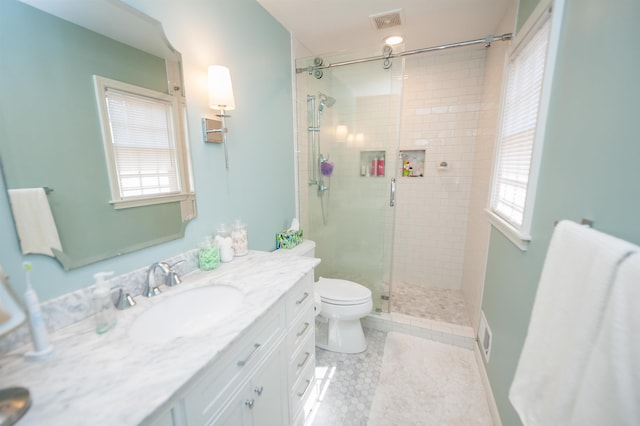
(484, 337)
(385, 20)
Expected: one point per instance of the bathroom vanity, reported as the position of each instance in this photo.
(254, 367)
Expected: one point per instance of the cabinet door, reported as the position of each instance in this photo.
(163, 419)
(269, 391)
(237, 413)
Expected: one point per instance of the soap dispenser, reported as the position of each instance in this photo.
(103, 303)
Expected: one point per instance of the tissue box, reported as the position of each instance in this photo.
(288, 239)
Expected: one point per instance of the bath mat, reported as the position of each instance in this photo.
(423, 382)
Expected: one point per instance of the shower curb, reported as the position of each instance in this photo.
(452, 334)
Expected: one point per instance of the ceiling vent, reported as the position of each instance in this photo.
(385, 20)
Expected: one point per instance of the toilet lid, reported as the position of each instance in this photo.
(342, 292)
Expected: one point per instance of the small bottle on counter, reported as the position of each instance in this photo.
(239, 238)
(208, 255)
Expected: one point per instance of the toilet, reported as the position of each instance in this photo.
(339, 303)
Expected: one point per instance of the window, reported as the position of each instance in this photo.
(521, 132)
(142, 142)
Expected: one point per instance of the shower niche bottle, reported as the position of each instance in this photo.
(372, 163)
(380, 170)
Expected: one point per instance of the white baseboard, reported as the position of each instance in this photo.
(493, 408)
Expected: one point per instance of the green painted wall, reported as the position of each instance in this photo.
(589, 168)
(258, 188)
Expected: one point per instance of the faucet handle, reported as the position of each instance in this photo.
(124, 300)
(152, 291)
(172, 276)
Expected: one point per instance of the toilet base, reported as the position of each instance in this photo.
(343, 336)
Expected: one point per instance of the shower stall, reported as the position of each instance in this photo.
(399, 139)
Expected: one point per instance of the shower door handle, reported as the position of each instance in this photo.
(392, 195)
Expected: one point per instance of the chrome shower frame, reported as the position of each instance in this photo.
(318, 67)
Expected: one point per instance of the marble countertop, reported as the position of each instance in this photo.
(110, 379)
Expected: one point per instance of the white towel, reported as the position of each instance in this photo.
(570, 302)
(34, 222)
(610, 390)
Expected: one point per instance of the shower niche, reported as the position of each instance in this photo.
(372, 163)
(412, 163)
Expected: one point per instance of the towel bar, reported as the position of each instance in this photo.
(586, 222)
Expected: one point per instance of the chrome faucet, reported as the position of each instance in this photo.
(171, 278)
(151, 289)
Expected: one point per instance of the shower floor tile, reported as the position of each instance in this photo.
(431, 303)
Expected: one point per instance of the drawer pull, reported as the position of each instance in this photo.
(241, 363)
(249, 403)
(304, 361)
(302, 299)
(301, 394)
(304, 330)
(259, 390)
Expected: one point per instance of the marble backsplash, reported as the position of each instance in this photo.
(77, 305)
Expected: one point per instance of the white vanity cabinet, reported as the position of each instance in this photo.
(263, 378)
(301, 349)
(262, 400)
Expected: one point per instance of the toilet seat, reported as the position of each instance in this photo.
(342, 292)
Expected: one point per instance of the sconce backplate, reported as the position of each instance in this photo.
(212, 130)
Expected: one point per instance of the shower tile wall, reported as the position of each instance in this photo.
(441, 105)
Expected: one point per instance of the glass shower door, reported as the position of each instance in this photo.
(348, 214)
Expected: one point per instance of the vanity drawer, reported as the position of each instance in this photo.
(304, 389)
(299, 330)
(300, 297)
(209, 393)
(301, 359)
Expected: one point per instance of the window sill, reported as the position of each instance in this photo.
(519, 239)
(149, 201)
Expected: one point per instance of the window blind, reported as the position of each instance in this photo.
(518, 128)
(143, 144)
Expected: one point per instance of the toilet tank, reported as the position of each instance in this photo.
(305, 248)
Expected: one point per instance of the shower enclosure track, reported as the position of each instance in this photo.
(486, 41)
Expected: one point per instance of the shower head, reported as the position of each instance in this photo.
(325, 102)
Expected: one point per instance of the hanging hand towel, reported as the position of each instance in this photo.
(569, 306)
(610, 390)
(34, 222)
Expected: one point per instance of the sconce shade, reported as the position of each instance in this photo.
(220, 89)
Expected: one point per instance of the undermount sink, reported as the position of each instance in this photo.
(187, 313)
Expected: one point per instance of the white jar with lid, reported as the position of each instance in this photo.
(223, 238)
(239, 238)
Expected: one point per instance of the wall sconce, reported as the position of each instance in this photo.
(220, 98)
